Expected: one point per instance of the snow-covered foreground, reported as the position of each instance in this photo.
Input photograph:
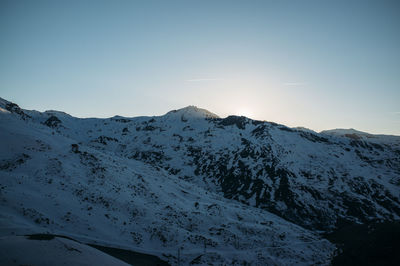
(20, 250)
(188, 186)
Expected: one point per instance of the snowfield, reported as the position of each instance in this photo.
(19, 250)
(189, 187)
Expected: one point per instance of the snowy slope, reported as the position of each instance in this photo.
(132, 183)
(19, 250)
(318, 181)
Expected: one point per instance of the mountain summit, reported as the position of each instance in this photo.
(191, 111)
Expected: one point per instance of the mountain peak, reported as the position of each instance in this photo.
(192, 111)
(349, 133)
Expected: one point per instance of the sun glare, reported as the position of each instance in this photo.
(244, 112)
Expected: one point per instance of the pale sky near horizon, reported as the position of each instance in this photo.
(317, 64)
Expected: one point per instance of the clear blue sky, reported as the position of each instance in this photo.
(319, 64)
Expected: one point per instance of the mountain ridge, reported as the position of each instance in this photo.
(192, 110)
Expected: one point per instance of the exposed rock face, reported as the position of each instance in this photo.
(239, 121)
(52, 122)
(14, 108)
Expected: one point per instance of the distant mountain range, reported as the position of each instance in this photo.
(191, 187)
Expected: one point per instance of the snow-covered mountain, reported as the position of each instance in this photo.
(191, 187)
(359, 135)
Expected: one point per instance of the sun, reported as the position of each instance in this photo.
(244, 112)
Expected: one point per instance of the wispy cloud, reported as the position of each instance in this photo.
(294, 83)
(396, 113)
(204, 79)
